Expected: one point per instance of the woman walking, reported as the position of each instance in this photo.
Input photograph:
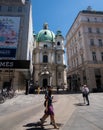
(49, 108)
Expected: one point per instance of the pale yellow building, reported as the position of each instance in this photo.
(84, 44)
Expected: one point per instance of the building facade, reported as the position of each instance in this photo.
(48, 58)
(84, 44)
(16, 41)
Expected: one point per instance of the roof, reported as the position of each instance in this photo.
(45, 35)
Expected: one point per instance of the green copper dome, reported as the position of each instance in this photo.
(45, 35)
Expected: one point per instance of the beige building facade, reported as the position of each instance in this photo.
(84, 44)
(16, 42)
(48, 58)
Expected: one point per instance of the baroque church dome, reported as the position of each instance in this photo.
(45, 35)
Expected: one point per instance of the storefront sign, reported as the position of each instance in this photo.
(15, 64)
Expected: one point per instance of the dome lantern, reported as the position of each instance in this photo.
(45, 26)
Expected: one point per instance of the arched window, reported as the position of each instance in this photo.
(45, 46)
(58, 43)
(45, 58)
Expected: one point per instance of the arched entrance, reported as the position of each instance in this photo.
(45, 77)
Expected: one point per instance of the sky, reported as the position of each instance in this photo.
(60, 14)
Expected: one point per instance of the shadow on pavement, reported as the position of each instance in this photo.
(37, 126)
(80, 104)
(33, 126)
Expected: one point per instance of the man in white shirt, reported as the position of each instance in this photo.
(86, 93)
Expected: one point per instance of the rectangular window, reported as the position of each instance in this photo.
(92, 42)
(97, 30)
(88, 19)
(0, 8)
(94, 56)
(100, 42)
(9, 9)
(90, 30)
(102, 56)
(79, 34)
(95, 19)
(45, 59)
(19, 9)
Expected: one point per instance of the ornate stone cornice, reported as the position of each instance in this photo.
(12, 2)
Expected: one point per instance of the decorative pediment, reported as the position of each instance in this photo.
(44, 71)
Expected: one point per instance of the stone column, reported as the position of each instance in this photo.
(41, 57)
(37, 58)
(90, 78)
(53, 57)
(16, 84)
(49, 57)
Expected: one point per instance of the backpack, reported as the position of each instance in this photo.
(85, 92)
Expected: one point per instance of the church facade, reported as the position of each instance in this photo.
(48, 58)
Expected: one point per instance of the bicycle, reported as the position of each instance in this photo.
(2, 98)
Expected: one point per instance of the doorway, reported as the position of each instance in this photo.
(45, 83)
(98, 82)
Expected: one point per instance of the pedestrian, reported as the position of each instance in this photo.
(85, 91)
(49, 111)
(38, 90)
(82, 89)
